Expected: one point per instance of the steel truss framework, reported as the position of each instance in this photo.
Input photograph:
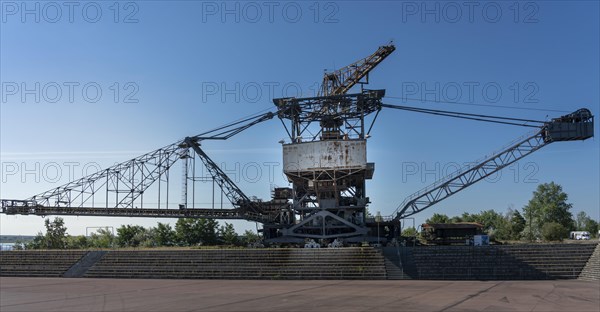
(575, 126)
(343, 217)
(467, 176)
(343, 115)
(122, 188)
(326, 202)
(127, 183)
(343, 79)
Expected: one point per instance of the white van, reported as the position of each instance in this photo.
(579, 235)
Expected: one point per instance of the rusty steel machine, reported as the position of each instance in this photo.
(326, 158)
(325, 161)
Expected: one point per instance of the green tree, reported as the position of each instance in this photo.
(517, 224)
(38, 242)
(456, 219)
(554, 231)
(548, 204)
(228, 234)
(130, 235)
(164, 235)
(250, 237)
(592, 227)
(77, 242)
(186, 233)
(438, 218)
(192, 232)
(494, 224)
(581, 220)
(409, 232)
(585, 223)
(147, 238)
(209, 231)
(467, 217)
(55, 237)
(56, 234)
(103, 238)
(19, 245)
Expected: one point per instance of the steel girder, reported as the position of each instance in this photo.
(578, 125)
(468, 176)
(232, 191)
(124, 185)
(130, 178)
(343, 79)
(318, 222)
(347, 111)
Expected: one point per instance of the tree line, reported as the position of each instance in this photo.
(187, 232)
(547, 216)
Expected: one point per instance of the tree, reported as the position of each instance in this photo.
(409, 232)
(164, 235)
(581, 220)
(228, 234)
(592, 227)
(130, 235)
(147, 238)
(77, 242)
(55, 237)
(209, 231)
(38, 242)
(585, 223)
(548, 204)
(456, 219)
(186, 233)
(19, 245)
(192, 232)
(494, 224)
(517, 224)
(438, 218)
(250, 237)
(56, 233)
(103, 238)
(554, 231)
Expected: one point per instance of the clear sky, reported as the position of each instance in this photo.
(88, 85)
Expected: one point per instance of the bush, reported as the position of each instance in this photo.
(553, 231)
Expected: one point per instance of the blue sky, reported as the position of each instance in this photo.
(173, 62)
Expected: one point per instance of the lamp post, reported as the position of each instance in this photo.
(378, 219)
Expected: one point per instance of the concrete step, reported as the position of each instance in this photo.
(84, 264)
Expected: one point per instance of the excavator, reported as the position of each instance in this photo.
(338, 116)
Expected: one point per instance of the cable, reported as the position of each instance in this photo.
(477, 117)
(459, 113)
(478, 104)
(469, 116)
(237, 121)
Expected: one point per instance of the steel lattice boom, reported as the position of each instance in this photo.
(121, 189)
(124, 183)
(576, 126)
(342, 80)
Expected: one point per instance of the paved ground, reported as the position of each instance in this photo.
(61, 294)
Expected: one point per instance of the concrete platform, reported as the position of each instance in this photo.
(84, 294)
